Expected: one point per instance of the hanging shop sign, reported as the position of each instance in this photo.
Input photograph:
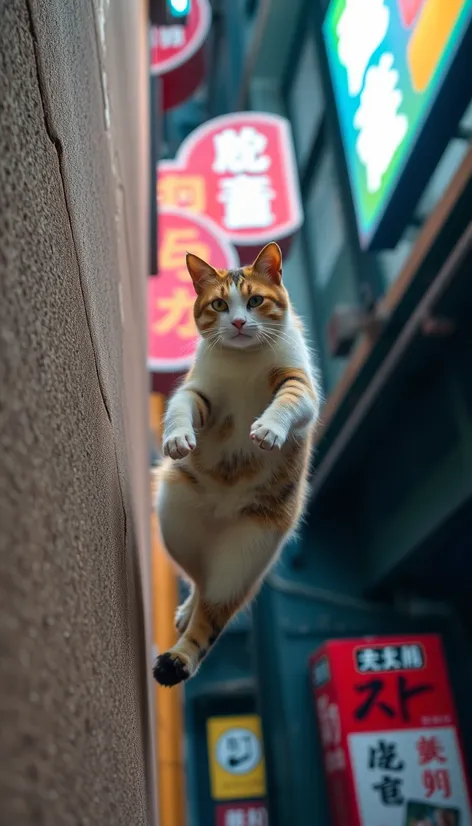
(240, 171)
(172, 334)
(401, 85)
(242, 813)
(177, 54)
(388, 725)
(236, 758)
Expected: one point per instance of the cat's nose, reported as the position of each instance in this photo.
(238, 323)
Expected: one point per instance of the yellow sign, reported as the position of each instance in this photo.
(236, 757)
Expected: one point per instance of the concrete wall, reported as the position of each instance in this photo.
(75, 712)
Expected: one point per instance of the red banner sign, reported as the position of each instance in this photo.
(388, 726)
(177, 54)
(242, 813)
(172, 335)
(240, 171)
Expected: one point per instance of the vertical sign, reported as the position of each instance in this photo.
(172, 334)
(388, 726)
(236, 757)
(177, 54)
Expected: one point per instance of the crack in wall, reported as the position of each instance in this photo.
(57, 144)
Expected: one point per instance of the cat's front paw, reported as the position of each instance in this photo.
(179, 444)
(267, 434)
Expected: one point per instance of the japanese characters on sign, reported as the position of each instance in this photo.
(242, 813)
(389, 732)
(236, 759)
(177, 54)
(386, 76)
(172, 334)
(239, 170)
(389, 657)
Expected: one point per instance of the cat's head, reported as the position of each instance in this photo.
(241, 308)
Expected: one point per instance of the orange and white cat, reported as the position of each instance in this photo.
(237, 440)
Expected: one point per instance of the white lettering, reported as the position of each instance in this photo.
(381, 127)
(242, 151)
(247, 200)
(361, 29)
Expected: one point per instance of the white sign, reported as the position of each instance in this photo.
(409, 777)
(238, 750)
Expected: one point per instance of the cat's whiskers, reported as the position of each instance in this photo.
(264, 338)
(214, 338)
(277, 335)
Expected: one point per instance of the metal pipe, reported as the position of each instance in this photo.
(154, 114)
(169, 735)
(412, 326)
(327, 597)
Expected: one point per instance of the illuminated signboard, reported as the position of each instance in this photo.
(172, 334)
(177, 53)
(401, 80)
(389, 731)
(240, 171)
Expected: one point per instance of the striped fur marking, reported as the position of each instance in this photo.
(203, 406)
(234, 467)
(287, 378)
(236, 276)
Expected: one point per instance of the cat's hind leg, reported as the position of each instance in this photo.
(183, 659)
(234, 567)
(185, 610)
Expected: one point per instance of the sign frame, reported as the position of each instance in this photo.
(190, 50)
(182, 72)
(225, 786)
(240, 239)
(389, 728)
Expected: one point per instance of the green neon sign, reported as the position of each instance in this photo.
(388, 60)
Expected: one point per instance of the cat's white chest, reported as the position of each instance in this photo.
(235, 406)
(244, 401)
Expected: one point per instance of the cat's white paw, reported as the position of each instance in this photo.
(267, 434)
(179, 444)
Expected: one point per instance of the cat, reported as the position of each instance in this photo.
(237, 441)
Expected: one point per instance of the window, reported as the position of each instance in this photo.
(392, 261)
(332, 271)
(325, 220)
(442, 176)
(296, 279)
(306, 101)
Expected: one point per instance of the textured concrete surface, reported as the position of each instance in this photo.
(75, 710)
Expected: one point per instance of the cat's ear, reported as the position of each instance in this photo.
(200, 272)
(269, 262)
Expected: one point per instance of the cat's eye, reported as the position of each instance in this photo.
(219, 305)
(255, 301)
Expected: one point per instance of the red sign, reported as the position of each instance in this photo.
(172, 335)
(177, 54)
(242, 813)
(388, 726)
(240, 171)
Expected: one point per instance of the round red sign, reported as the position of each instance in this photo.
(177, 54)
(172, 335)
